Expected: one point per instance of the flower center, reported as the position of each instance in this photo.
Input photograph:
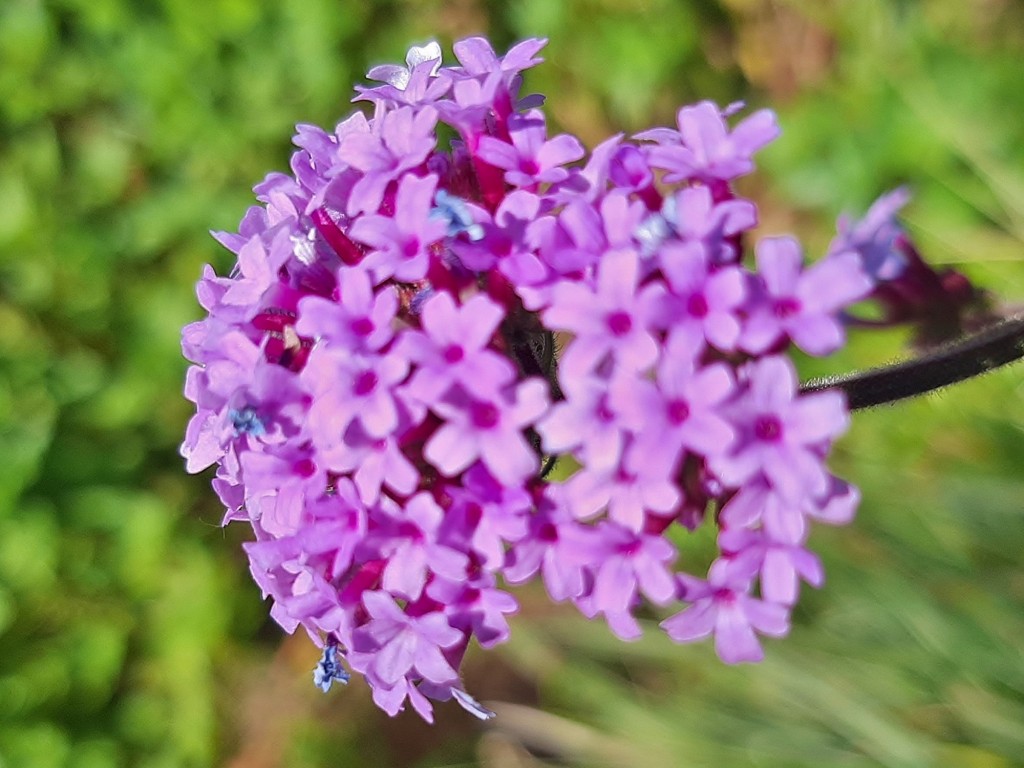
(453, 354)
(304, 467)
(724, 596)
(484, 415)
(768, 428)
(786, 307)
(365, 383)
(697, 305)
(619, 323)
(411, 247)
(362, 326)
(678, 411)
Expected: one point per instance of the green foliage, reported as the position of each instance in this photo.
(129, 631)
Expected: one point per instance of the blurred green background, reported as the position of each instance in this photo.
(130, 633)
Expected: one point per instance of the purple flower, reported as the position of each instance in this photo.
(375, 462)
(453, 348)
(391, 699)
(632, 562)
(417, 55)
(360, 321)
(278, 486)
(400, 142)
(802, 304)
(756, 503)
(837, 506)
(874, 237)
(418, 83)
(347, 387)
(486, 516)
(490, 430)
(505, 241)
(292, 569)
(242, 401)
(614, 318)
(557, 546)
(411, 548)
(628, 168)
(585, 233)
(679, 410)
(478, 608)
(781, 432)
(402, 241)
(627, 495)
(703, 303)
(258, 268)
(531, 157)
(478, 58)
(393, 645)
(585, 423)
(705, 149)
(723, 607)
(696, 217)
(782, 565)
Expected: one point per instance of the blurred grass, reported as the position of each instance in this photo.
(129, 632)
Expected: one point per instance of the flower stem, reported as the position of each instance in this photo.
(965, 358)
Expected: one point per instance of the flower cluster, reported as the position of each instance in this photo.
(376, 380)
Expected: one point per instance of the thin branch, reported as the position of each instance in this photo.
(963, 359)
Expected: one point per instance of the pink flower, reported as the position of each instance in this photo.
(614, 319)
(393, 645)
(723, 607)
(802, 304)
(531, 157)
(401, 241)
(490, 430)
(705, 148)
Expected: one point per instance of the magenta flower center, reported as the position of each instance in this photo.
(768, 428)
(362, 326)
(724, 596)
(619, 323)
(678, 411)
(304, 467)
(624, 476)
(547, 532)
(786, 307)
(453, 354)
(530, 167)
(365, 383)
(411, 247)
(697, 305)
(484, 415)
(629, 548)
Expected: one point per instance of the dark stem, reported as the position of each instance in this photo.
(963, 359)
